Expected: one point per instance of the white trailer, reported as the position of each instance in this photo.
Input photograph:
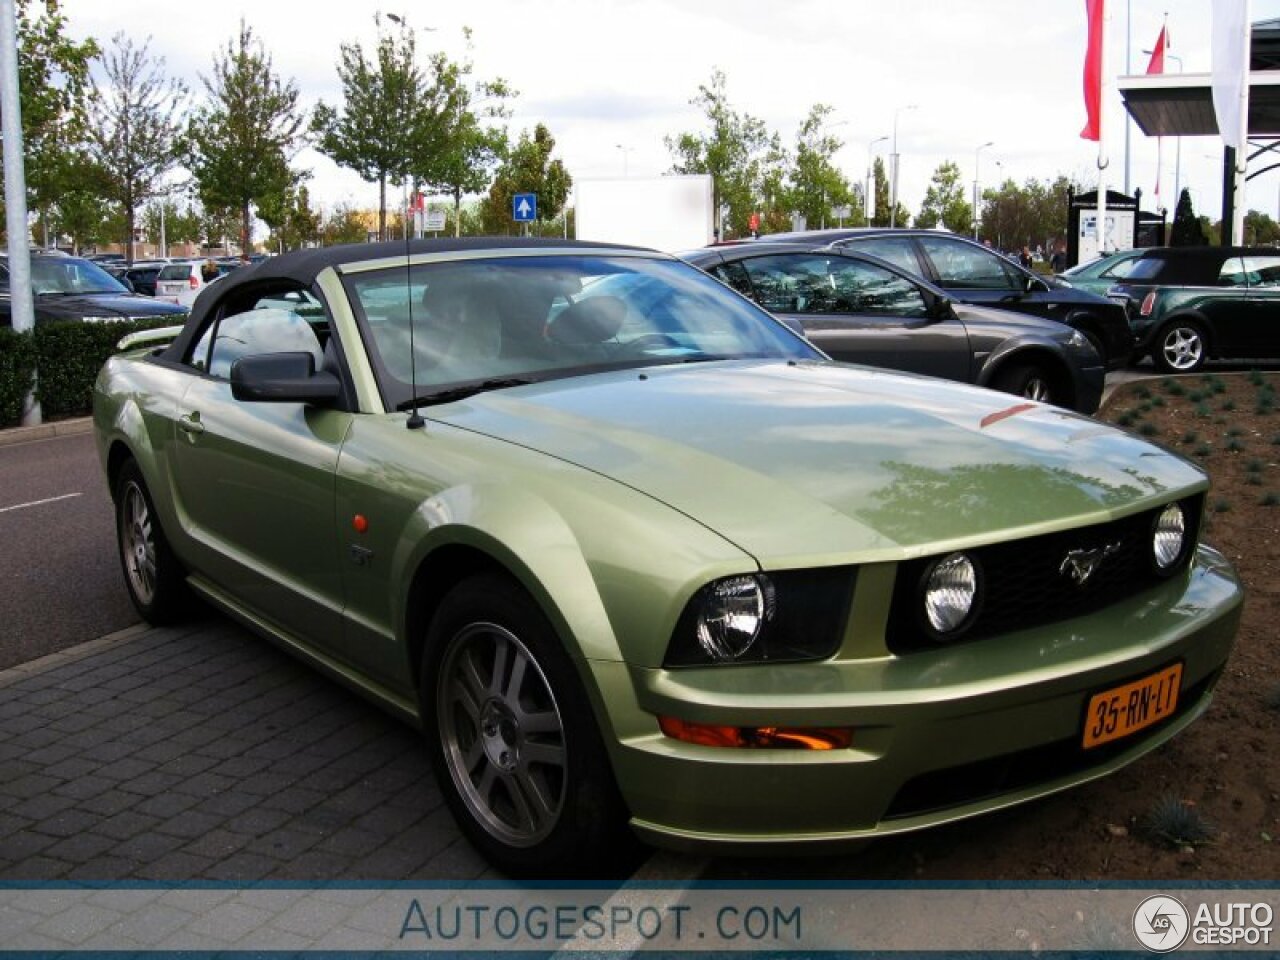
(666, 213)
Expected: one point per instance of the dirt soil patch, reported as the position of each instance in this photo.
(1206, 806)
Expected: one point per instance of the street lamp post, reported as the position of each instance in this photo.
(868, 199)
(893, 193)
(625, 150)
(977, 156)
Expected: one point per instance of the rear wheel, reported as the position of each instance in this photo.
(1029, 380)
(1180, 348)
(152, 574)
(514, 741)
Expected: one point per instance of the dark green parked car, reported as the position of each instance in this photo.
(634, 556)
(1188, 305)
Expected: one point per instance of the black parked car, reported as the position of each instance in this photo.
(861, 309)
(972, 273)
(70, 288)
(1190, 304)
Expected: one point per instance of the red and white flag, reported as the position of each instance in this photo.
(1094, 10)
(1156, 65)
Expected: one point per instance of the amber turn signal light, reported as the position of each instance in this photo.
(777, 738)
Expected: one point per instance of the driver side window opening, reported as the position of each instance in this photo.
(277, 321)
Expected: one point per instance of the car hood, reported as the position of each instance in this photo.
(813, 462)
(75, 306)
(1012, 324)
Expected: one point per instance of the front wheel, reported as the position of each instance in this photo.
(514, 741)
(152, 574)
(1180, 348)
(1028, 380)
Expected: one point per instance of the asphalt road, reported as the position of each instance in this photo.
(60, 580)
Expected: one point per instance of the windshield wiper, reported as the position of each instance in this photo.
(462, 391)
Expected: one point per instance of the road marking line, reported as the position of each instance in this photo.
(37, 503)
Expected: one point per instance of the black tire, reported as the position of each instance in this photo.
(152, 574)
(1029, 380)
(522, 768)
(1180, 347)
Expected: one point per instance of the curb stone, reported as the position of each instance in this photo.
(46, 431)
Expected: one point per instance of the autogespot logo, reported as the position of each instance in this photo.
(1161, 923)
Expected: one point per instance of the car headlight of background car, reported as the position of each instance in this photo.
(788, 616)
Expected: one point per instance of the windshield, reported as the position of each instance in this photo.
(537, 318)
(71, 275)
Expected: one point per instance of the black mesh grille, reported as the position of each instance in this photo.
(1023, 584)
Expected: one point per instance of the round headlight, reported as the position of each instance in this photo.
(733, 612)
(949, 593)
(1169, 537)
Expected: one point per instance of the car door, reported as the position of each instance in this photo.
(1261, 332)
(974, 274)
(860, 312)
(255, 480)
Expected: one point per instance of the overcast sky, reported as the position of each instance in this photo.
(611, 78)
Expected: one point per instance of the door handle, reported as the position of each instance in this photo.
(191, 424)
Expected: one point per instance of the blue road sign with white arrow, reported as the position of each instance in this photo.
(524, 207)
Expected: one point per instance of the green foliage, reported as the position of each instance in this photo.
(240, 142)
(817, 185)
(1271, 499)
(1260, 229)
(136, 120)
(1204, 450)
(1234, 446)
(945, 203)
(1190, 437)
(69, 355)
(53, 82)
(390, 110)
(1222, 506)
(181, 224)
(1030, 214)
(1187, 230)
(293, 223)
(343, 225)
(17, 367)
(467, 146)
(1149, 430)
(736, 150)
(1254, 466)
(1174, 388)
(1203, 410)
(1256, 378)
(530, 168)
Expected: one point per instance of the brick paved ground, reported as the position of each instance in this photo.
(202, 752)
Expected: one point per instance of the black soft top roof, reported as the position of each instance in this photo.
(301, 267)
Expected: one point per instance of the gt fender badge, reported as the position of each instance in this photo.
(361, 556)
(1080, 565)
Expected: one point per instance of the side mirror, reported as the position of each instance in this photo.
(1034, 284)
(283, 378)
(940, 308)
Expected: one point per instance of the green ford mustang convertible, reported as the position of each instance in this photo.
(640, 561)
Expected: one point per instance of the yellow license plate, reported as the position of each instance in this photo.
(1120, 711)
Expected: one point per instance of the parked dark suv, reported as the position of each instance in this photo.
(69, 288)
(972, 273)
(1191, 304)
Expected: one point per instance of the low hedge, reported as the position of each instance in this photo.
(66, 357)
(17, 367)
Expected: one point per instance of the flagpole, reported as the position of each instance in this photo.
(1242, 152)
(1101, 226)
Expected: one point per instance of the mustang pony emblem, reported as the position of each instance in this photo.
(1079, 565)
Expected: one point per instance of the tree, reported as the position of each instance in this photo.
(181, 224)
(137, 121)
(466, 150)
(816, 184)
(529, 168)
(1187, 228)
(82, 212)
(735, 152)
(294, 224)
(390, 112)
(1033, 214)
(53, 86)
(241, 141)
(344, 224)
(944, 202)
(881, 193)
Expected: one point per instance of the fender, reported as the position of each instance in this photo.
(1015, 347)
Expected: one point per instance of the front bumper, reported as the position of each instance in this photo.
(938, 735)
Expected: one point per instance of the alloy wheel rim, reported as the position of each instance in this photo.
(1037, 389)
(137, 542)
(1183, 348)
(502, 734)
